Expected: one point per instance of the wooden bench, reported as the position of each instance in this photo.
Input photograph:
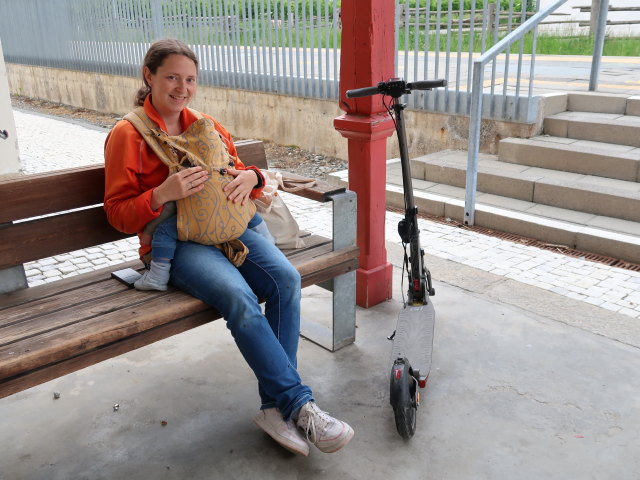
(53, 329)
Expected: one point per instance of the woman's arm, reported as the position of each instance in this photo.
(127, 201)
(251, 185)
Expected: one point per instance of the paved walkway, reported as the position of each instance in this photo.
(48, 143)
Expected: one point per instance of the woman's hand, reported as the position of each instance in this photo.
(179, 185)
(240, 188)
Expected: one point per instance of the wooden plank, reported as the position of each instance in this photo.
(40, 292)
(15, 384)
(70, 313)
(54, 235)
(27, 196)
(55, 303)
(70, 341)
(251, 152)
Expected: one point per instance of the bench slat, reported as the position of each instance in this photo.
(41, 292)
(72, 312)
(72, 340)
(59, 287)
(54, 235)
(49, 372)
(26, 196)
(55, 303)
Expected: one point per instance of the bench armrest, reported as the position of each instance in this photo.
(320, 192)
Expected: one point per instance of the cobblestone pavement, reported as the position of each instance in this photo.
(47, 143)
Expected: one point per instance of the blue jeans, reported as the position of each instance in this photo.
(165, 236)
(269, 342)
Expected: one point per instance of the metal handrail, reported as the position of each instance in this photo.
(476, 103)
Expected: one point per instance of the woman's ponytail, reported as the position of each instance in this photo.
(141, 95)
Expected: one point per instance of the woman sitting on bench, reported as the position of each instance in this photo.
(138, 184)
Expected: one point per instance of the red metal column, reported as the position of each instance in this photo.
(366, 58)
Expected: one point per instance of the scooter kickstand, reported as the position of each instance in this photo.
(392, 336)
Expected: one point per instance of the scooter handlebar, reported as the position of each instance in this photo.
(395, 87)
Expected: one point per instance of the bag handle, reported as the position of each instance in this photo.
(292, 185)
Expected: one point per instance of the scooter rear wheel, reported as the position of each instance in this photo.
(403, 398)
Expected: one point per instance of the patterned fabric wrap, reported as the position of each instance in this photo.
(206, 217)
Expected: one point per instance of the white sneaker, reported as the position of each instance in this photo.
(321, 429)
(285, 433)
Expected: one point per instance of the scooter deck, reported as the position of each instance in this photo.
(414, 337)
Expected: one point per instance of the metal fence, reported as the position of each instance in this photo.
(283, 46)
(438, 40)
(266, 45)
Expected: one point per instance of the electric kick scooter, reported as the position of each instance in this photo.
(413, 337)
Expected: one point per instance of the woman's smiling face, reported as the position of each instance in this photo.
(173, 85)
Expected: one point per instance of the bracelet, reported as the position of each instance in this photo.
(260, 181)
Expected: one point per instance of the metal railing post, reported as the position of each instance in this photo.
(598, 44)
(476, 104)
(474, 144)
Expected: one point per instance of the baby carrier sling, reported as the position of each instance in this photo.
(208, 216)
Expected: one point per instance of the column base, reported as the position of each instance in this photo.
(374, 286)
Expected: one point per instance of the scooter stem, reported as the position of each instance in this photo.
(404, 157)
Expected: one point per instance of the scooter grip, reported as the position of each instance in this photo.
(427, 84)
(362, 92)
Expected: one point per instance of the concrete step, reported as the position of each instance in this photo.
(583, 231)
(598, 102)
(598, 127)
(571, 155)
(573, 191)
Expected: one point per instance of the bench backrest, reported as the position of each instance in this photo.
(50, 196)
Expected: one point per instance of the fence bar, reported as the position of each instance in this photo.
(598, 45)
(436, 92)
(406, 41)
(505, 81)
(448, 58)
(459, 59)
(472, 35)
(318, 49)
(523, 18)
(425, 75)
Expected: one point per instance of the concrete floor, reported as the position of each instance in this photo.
(525, 384)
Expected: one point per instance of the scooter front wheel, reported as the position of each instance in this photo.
(403, 391)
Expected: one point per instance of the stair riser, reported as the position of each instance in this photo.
(544, 156)
(487, 183)
(563, 196)
(597, 132)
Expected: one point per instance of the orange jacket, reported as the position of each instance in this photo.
(133, 171)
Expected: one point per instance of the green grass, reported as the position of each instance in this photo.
(583, 45)
(546, 44)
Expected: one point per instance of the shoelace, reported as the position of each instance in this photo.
(323, 419)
